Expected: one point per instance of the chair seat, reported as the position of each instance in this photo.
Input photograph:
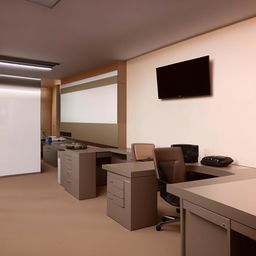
(171, 199)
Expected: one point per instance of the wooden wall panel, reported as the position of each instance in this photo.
(49, 106)
(46, 110)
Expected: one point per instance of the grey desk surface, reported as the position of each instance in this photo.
(231, 194)
(91, 149)
(131, 169)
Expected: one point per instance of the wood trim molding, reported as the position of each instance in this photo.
(49, 105)
(121, 116)
(49, 83)
(93, 72)
(120, 66)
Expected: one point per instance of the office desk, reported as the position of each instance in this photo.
(221, 195)
(80, 170)
(218, 215)
(50, 152)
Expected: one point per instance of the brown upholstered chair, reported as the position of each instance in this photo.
(142, 151)
(170, 168)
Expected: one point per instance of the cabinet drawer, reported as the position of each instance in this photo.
(47, 147)
(245, 230)
(115, 182)
(68, 176)
(207, 215)
(67, 158)
(115, 191)
(116, 200)
(69, 186)
(67, 165)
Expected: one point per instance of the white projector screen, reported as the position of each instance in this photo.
(94, 105)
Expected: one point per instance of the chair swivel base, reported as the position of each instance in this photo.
(166, 220)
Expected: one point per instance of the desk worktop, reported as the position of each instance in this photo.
(231, 194)
(91, 149)
(131, 169)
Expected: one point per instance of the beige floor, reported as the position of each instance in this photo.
(38, 218)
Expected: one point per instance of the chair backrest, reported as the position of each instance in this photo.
(141, 151)
(169, 164)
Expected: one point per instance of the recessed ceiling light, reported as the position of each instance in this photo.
(26, 63)
(46, 3)
(20, 77)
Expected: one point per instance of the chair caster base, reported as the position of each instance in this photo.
(158, 228)
(165, 218)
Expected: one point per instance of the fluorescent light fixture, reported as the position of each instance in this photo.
(26, 63)
(46, 3)
(20, 91)
(20, 77)
(23, 66)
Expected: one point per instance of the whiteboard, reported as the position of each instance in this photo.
(94, 105)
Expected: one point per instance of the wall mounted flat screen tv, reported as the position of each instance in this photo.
(184, 79)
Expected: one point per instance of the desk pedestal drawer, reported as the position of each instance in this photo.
(132, 202)
(78, 173)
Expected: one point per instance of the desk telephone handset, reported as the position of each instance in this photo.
(220, 161)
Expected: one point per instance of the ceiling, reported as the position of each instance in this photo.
(84, 34)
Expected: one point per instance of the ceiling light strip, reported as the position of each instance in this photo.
(20, 77)
(46, 3)
(17, 65)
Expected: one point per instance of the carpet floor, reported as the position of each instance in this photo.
(39, 218)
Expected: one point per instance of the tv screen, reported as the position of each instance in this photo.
(184, 79)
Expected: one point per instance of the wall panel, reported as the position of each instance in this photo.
(223, 124)
(19, 126)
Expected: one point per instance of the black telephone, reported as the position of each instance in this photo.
(76, 146)
(220, 161)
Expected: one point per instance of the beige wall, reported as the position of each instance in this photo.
(223, 124)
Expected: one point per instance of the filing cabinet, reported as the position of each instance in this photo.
(78, 173)
(132, 201)
(50, 152)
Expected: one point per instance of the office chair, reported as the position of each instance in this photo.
(142, 151)
(170, 168)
